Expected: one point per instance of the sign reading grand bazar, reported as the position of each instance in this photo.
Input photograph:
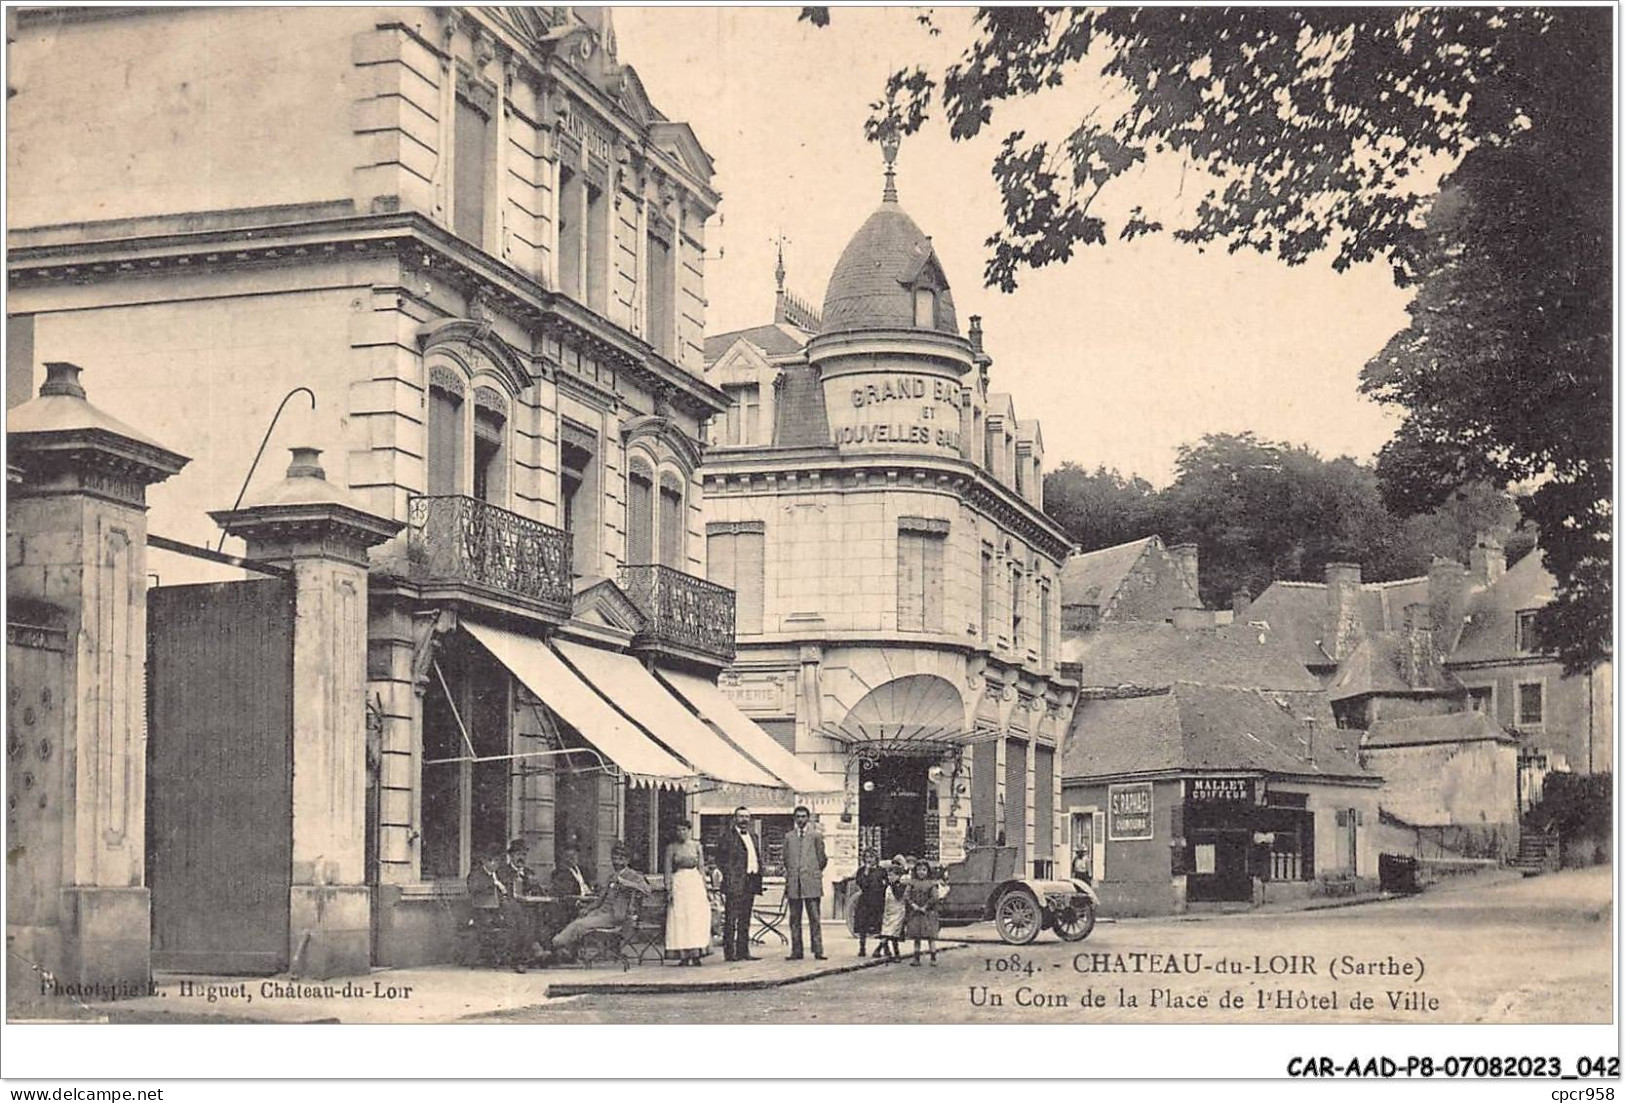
(416, 612)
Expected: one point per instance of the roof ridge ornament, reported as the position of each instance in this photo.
(889, 143)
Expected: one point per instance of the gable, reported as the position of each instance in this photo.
(679, 140)
(742, 363)
(601, 602)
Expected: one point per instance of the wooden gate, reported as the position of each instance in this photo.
(220, 775)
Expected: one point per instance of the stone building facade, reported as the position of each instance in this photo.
(878, 507)
(475, 243)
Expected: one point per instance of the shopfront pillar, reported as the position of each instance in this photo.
(312, 528)
(78, 911)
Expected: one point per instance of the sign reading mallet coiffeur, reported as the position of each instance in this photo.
(1129, 812)
(1226, 790)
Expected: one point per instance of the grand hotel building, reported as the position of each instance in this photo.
(470, 241)
(878, 508)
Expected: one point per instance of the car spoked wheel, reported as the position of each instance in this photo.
(1074, 921)
(1017, 917)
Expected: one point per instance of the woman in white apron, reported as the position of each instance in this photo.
(688, 908)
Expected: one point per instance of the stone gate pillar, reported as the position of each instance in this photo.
(78, 914)
(312, 527)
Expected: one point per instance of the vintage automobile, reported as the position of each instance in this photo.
(986, 885)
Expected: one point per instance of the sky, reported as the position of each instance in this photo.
(1124, 353)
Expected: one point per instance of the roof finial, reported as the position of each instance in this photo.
(888, 148)
(779, 307)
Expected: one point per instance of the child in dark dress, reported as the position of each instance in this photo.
(870, 881)
(920, 902)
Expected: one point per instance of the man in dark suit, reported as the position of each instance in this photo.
(804, 862)
(739, 857)
(485, 893)
(570, 888)
(516, 880)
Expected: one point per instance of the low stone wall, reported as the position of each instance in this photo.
(421, 928)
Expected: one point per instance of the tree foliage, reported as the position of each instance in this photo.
(1322, 130)
(1261, 511)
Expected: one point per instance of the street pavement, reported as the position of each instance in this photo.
(1535, 950)
(1514, 951)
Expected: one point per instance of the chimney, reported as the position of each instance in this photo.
(1447, 595)
(1186, 556)
(1344, 629)
(976, 333)
(1489, 560)
(1309, 731)
(1240, 602)
(1418, 653)
(1188, 618)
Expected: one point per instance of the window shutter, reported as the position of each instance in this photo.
(671, 527)
(750, 582)
(931, 581)
(910, 588)
(639, 519)
(719, 559)
(445, 459)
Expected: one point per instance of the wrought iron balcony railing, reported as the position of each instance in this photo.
(688, 612)
(464, 541)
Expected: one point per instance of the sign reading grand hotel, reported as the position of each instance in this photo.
(880, 421)
(1128, 816)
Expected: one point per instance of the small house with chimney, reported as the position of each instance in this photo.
(1203, 767)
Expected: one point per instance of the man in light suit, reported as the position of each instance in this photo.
(804, 862)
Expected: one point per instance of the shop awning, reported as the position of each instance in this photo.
(714, 705)
(623, 680)
(545, 675)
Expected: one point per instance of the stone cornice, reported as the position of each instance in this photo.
(313, 530)
(426, 246)
(812, 469)
(93, 462)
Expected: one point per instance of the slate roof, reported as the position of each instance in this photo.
(868, 288)
(774, 339)
(1454, 727)
(800, 417)
(1091, 578)
(1149, 653)
(1490, 629)
(1187, 727)
(1297, 612)
(1377, 665)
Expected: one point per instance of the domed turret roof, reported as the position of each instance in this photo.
(875, 280)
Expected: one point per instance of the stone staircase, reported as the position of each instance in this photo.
(1538, 852)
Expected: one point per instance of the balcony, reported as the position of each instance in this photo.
(686, 615)
(475, 549)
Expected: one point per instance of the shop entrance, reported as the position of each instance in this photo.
(892, 805)
(1219, 870)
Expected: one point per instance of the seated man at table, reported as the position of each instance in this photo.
(612, 906)
(516, 881)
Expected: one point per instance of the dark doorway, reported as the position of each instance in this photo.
(892, 805)
(1218, 869)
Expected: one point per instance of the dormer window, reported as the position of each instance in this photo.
(925, 308)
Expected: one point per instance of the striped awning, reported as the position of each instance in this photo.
(579, 705)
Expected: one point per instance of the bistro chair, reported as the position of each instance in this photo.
(770, 920)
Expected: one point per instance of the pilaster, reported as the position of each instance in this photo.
(77, 906)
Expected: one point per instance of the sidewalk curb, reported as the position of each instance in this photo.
(644, 988)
